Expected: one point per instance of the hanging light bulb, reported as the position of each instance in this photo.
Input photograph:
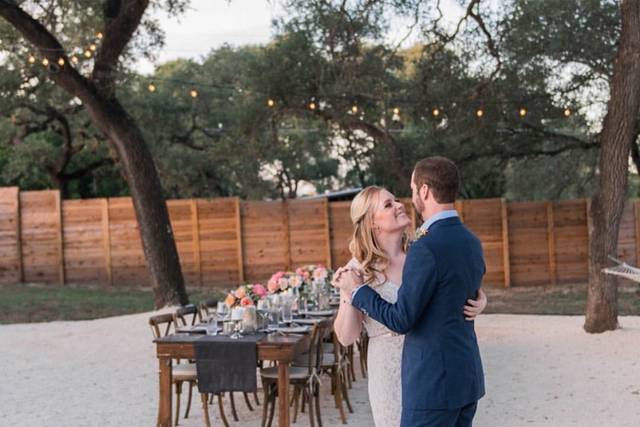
(312, 105)
(74, 59)
(396, 111)
(435, 112)
(479, 112)
(151, 87)
(566, 112)
(93, 47)
(194, 93)
(87, 53)
(354, 109)
(523, 112)
(32, 59)
(99, 35)
(61, 62)
(45, 62)
(270, 102)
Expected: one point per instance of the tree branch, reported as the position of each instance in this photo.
(122, 18)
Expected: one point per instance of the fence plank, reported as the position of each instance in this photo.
(195, 238)
(10, 245)
(553, 271)
(286, 235)
(238, 218)
(106, 240)
(59, 237)
(327, 231)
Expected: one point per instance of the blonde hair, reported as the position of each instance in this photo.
(364, 245)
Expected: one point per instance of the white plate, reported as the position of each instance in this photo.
(317, 313)
(292, 329)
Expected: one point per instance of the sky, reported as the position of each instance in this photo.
(209, 24)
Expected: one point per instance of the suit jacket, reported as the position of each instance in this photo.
(441, 366)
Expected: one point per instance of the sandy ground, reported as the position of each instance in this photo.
(540, 370)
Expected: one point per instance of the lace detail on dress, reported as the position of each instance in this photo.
(384, 363)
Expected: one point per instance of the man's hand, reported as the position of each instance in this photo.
(347, 279)
(475, 306)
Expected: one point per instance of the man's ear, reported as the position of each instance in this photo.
(424, 191)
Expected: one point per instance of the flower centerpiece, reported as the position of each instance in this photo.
(317, 279)
(284, 282)
(245, 295)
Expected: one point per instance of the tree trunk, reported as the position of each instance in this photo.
(124, 136)
(616, 139)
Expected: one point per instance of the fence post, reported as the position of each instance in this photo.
(106, 239)
(59, 236)
(239, 239)
(195, 239)
(505, 243)
(551, 242)
(327, 230)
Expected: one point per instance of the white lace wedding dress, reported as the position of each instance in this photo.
(384, 364)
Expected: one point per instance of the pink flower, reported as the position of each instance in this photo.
(273, 286)
(259, 290)
(246, 301)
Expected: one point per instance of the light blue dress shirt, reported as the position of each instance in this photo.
(451, 213)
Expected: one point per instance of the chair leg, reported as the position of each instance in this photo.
(317, 400)
(295, 400)
(338, 395)
(186, 413)
(311, 417)
(304, 402)
(178, 392)
(246, 400)
(272, 407)
(205, 407)
(234, 414)
(223, 417)
(255, 396)
(265, 407)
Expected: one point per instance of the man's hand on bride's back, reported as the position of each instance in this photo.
(475, 306)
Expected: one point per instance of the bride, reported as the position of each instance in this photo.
(378, 246)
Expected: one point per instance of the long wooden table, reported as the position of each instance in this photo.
(279, 348)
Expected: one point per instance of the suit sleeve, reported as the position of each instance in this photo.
(419, 280)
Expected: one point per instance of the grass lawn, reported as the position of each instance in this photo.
(23, 303)
(562, 299)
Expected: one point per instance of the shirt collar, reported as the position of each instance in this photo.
(451, 213)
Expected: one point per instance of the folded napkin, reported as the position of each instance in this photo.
(224, 364)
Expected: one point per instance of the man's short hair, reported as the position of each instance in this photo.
(441, 175)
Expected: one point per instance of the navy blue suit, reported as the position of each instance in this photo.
(442, 376)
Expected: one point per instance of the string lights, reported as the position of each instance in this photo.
(312, 105)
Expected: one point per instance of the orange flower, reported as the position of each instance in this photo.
(230, 300)
(241, 293)
(246, 301)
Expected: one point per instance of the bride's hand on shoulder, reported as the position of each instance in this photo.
(475, 306)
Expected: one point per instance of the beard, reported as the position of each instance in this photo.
(418, 206)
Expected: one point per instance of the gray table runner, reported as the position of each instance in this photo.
(224, 364)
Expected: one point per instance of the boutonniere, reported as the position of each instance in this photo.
(421, 232)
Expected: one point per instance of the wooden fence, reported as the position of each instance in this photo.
(225, 241)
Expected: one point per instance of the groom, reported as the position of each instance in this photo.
(442, 378)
